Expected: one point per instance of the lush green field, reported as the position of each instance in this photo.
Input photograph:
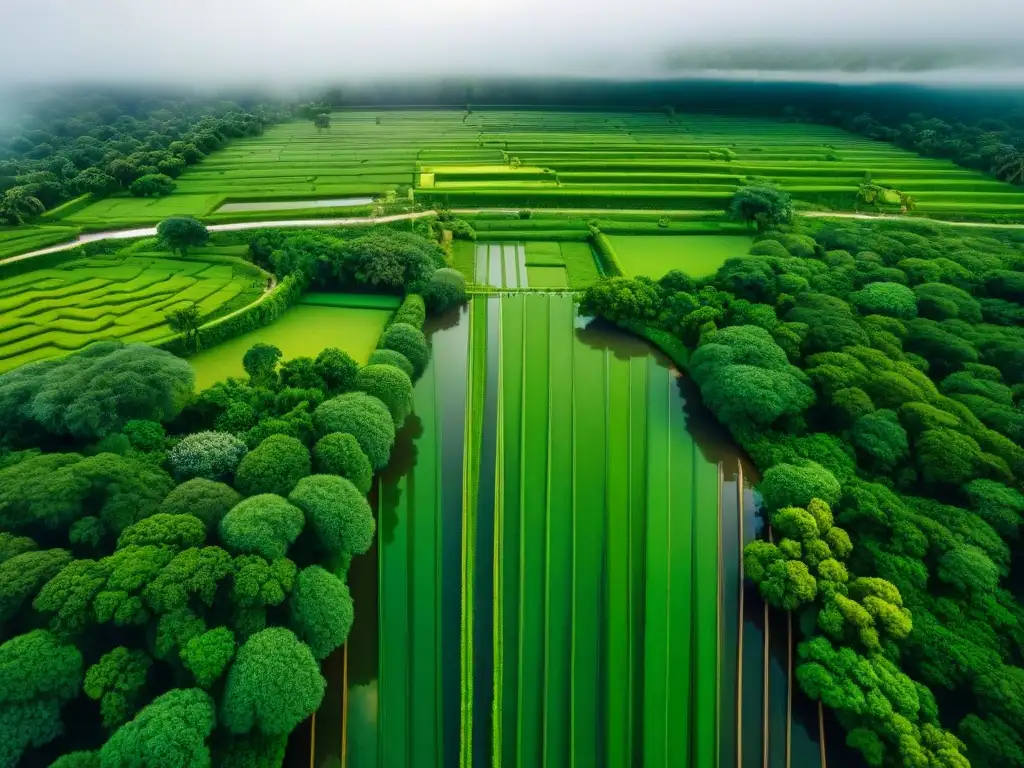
(48, 312)
(540, 264)
(560, 506)
(535, 159)
(15, 240)
(655, 255)
(304, 330)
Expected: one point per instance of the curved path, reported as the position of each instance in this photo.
(125, 234)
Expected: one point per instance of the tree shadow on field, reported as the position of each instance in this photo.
(402, 462)
(712, 439)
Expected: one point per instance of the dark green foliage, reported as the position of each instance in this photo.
(37, 676)
(881, 440)
(145, 436)
(49, 492)
(794, 485)
(172, 730)
(300, 373)
(321, 611)
(77, 760)
(94, 392)
(889, 299)
(274, 466)
(388, 259)
(207, 655)
(390, 357)
(253, 750)
(274, 684)
(210, 455)
(336, 369)
(265, 525)
(163, 529)
(999, 506)
(746, 378)
(179, 233)
(412, 312)
(445, 289)
(260, 363)
(409, 341)
(938, 301)
(338, 453)
(946, 457)
(336, 513)
(391, 386)
(765, 205)
(205, 499)
(152, 185)
(364, 417)
(22, 576)
(12, 546)
(620, 298)
(748, 278)
(194, 574)
(117, 681)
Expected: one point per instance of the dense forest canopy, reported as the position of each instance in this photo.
(875, 374)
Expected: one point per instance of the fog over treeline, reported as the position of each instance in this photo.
(273, 43)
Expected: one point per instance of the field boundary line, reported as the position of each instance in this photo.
(239, 226)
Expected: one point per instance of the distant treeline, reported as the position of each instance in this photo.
(64, 143)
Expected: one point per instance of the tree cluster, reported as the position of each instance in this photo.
(70, 144)
(875, 374)
(173, 566)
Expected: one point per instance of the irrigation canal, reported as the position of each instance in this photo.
(557, 578)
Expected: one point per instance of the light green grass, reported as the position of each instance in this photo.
(547, 277)
(580, 265)
(697, 255)
(55, 310)
(17, 240)
(304, 330)
(540, 254)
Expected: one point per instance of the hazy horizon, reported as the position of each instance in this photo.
(311, 42)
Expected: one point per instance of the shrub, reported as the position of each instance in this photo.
(213, 455)
(171, 730)
(391, 386)
(339, 454)
(408, 340)
(446, 289)
(337, 513)
(889, 299)
(205, 499)
(321, 610)
(162, 529)
(412, 312)
(795, 485)
(336, 369)
(207, 655)
(274, 684)
(264, 525)
(95, 392)
(390, 357)
(274, 466)
(152, 185)
(364, 417)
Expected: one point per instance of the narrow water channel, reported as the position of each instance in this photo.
(492, 630)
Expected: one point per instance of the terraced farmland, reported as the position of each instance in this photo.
(545, 159)
(48, 312)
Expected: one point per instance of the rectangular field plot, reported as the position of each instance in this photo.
(501, 265)
(548, 277)
(304, 330)
(696, 255)
(50, 312)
